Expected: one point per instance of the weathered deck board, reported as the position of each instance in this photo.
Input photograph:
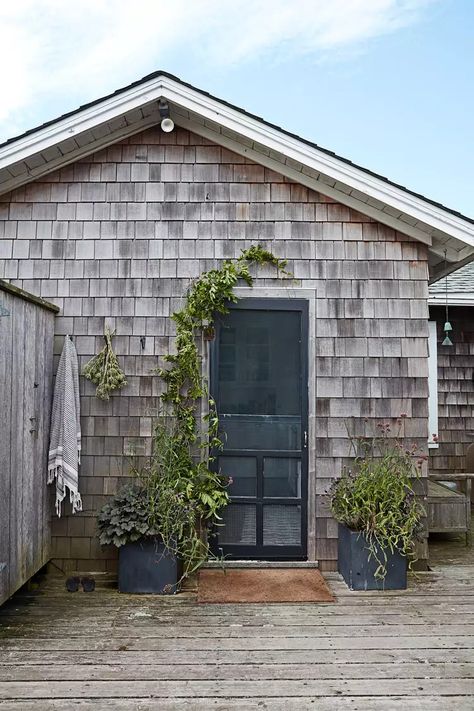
(242, 688)
(173, 671)
(20, 658)
(346, 703)
(367, 651)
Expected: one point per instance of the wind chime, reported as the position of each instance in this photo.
(447, 326)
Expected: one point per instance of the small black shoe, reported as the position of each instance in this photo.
(88, 584)
(72, 584)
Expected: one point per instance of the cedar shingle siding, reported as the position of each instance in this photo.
(117, 236)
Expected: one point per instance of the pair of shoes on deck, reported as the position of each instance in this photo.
(72, 584)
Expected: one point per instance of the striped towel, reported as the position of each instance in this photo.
(65, 438)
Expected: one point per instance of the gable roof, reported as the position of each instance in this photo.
(460, 287)
(135, 107)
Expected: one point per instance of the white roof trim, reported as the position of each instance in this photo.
(454, 299)
(353, 179)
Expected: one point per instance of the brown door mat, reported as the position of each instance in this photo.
(263, 585)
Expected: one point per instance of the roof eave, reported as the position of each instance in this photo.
(454, 299)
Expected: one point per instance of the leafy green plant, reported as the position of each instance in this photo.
(377, 496)
(126, 516)
(104, 371)
(184, 495)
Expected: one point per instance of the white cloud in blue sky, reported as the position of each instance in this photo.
(50, 48)
(385, 83)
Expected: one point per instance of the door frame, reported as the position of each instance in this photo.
(281, 302)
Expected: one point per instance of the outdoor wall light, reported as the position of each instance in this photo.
(167, 124)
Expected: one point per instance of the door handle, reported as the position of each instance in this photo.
(305, 438)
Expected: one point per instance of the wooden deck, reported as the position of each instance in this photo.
(410, 650)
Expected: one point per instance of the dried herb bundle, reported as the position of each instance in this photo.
(104, 371)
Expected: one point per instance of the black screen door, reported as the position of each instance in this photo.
(259, 382)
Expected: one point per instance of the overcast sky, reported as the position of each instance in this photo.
(385, 83)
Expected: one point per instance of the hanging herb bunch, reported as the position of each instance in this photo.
(104, 370)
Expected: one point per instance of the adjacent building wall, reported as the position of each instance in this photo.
(455, 389)
(116, 239)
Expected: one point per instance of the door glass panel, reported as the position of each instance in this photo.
(281, 477)
(261, 432)
(243, 471)
(239, 525)
(258, 369)
(281, 525)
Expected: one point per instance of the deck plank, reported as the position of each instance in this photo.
(344, 703)
(223, 671)
(241, 688)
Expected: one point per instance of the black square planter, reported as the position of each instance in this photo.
(359, 572)
(148, 567)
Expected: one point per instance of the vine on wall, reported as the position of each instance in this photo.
(186, 495)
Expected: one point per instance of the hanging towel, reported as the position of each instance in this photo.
(65, 439)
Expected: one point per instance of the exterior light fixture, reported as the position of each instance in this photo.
(167, 124)
(447, 326)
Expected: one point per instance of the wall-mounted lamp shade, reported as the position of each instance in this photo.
(167, 125)
(447, 341)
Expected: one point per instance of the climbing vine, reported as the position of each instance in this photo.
(186, 494)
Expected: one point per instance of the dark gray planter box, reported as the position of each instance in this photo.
(147, 567)
(358, 571)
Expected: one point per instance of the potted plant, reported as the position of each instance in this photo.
(378, 512)
(159, 521)
(146, 565)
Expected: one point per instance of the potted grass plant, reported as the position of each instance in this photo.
(378, 511)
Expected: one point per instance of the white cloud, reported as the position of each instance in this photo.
(87, 47)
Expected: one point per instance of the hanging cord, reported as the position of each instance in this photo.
(447, 326)
(446, 285)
